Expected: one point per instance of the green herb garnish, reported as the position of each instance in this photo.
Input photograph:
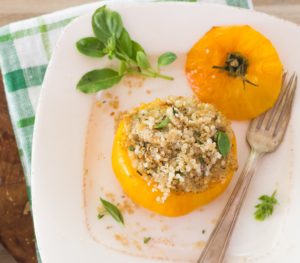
(113, 40)
(131, 148)
(113, 211)
(266, 206)
(201, 159)
(91, 46)
(196, 134)
(146, 239)
(100, 216)
(104, 78)
(166, 59)
(223, 143)
(179, 173)
(162, 124)
(174, 111)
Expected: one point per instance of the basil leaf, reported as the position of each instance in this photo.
(114, 23)
(99, 24)
(162, 124)
(223, 143)
(166, 59)
(98, 79)
(113, 211)
(136, 47)
(125, 43)
(90, 46)
(142, 60)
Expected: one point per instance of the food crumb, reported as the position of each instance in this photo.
(100, 103)
(108, 95)
(152, 215)
(148, 91)
(126, 206)
(143, 229)
(108, 227)
(200, 244)
(133, 81)
(137, 245)
(164, 228)
(100, 211)
(101, 156)
(111, 196)
(114, 104)
(112, 100)
(214, 221)
(112, 113)
(164, 241)
(123, 240)
(203, 231)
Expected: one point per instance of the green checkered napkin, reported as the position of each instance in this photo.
(25, 51)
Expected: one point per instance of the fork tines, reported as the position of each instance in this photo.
(276, 119)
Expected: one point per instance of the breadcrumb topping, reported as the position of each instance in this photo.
(172, 145)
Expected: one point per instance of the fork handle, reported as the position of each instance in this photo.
(217, 244)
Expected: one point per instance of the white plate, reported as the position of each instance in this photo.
(65, 211)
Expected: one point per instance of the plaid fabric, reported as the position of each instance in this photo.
(25, 51)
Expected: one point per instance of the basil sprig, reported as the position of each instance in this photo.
(113, 40)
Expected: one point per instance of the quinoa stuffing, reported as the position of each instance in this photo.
(173, 145)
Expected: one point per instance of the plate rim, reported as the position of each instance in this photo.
(43, 94)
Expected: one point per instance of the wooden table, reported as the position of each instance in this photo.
(16, 231)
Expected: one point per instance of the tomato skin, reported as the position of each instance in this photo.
(234, 99)
(141, 193)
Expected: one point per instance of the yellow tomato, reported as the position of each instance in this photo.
(141, 193)
(237, 69)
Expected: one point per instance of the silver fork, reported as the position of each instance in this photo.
(264, 135)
